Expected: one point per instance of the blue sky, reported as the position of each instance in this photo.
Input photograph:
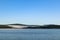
(35, 12)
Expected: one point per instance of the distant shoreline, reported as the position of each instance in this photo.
(23, 26)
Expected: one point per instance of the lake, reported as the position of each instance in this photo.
(29, 34)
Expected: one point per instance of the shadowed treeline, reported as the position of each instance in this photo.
(46, 27)
(4, 26)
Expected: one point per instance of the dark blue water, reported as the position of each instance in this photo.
(29, 34)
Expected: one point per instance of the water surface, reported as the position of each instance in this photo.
(29, 34)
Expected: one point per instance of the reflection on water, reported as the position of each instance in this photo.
(30, 34)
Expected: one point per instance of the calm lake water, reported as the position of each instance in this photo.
(29, 34)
